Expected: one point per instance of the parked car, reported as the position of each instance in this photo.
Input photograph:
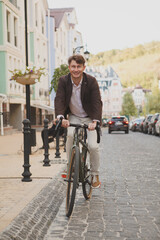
(136, 124)
(118, 123)
(140, 127)
(151, 126)
(131, 124)
(146, 123)
(104, 122)
(157, 126)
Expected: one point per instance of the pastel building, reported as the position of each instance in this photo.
(139, 95)
(110, 88)
(13, 56)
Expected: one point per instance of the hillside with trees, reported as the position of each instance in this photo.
(138, 65)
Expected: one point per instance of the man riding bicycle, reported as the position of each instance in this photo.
(78, 96)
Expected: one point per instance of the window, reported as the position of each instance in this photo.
(42, 24)
(14, 2)
(8, 21)
(36, 15)
(15, 31)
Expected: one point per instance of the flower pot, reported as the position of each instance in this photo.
(27, 79)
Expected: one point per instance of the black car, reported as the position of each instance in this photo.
(118, 123)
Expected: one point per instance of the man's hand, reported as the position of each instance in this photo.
(92, 126)
(65, 123)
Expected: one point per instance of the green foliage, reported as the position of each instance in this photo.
(144, 79)
(128, 106)
(62, 70)
(153, 102)
(116, 55)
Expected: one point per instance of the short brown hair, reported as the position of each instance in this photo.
(78, 58)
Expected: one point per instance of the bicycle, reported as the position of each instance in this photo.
(79, 165)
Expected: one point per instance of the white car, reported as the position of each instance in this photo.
(157, 126)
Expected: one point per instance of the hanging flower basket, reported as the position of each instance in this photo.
(29, 76)
(27, 79)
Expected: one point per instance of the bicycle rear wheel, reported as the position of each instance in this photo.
(73, 175)
(86, 175)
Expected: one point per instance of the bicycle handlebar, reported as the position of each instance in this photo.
(97, 128)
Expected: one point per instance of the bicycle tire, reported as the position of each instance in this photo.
(86, 175)
(72, 181)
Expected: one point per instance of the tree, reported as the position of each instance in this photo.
(62, 70)
(128, 106)
(153, 102)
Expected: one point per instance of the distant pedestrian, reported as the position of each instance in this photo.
(51, 134)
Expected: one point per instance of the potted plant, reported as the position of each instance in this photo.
(31, 75)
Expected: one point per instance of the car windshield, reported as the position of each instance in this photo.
(149, 117)
(138, 120)
(116, 119)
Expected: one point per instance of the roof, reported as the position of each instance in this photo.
(58, 14)
(138, 87)
(111, 73)
(58, 17)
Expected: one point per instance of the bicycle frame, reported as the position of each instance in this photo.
(76, 142)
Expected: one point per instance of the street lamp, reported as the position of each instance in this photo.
(86, 54)
(26, 48)
(77, 51)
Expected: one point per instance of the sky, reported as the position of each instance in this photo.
(114, 24)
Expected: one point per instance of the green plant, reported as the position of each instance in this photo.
(128, 106)
(60, 71)
(28, 71)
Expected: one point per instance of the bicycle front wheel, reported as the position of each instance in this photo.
(87, 178)
(72, 180)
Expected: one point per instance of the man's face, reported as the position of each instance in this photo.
(76, 69)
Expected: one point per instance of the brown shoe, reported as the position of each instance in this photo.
(95, 182)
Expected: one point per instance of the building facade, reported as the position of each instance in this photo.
(110, 88)
(139, 95)
(13, 56)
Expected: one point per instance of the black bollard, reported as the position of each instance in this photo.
(57, 154)
(65, 138)
(46, 146)
(26, 131)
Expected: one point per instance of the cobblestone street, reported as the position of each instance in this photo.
(127, 206)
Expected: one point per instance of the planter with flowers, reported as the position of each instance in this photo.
(30, 76)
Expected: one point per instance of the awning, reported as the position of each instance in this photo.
(45, 107)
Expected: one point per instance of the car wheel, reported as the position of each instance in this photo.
(126, 131)
(149, 132)
(109, 131)
(153, 131)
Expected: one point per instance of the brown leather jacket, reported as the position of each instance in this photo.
(90, 96)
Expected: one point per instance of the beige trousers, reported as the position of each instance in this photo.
(92, 142)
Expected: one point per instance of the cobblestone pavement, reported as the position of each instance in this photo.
(127, 206)
(33, 222)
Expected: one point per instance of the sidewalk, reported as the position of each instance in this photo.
(15, 194)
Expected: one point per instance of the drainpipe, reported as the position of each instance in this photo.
(1, 112)
(49, 52)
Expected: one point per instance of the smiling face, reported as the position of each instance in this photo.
(76, 70)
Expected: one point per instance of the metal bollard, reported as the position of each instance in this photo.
(65, 138)
(46, 154)
(57, 154)
(26, 131)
